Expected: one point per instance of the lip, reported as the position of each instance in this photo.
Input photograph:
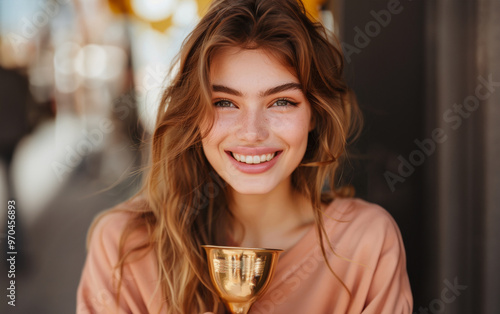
(252, 151)
(254, 168)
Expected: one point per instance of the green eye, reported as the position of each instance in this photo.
(284, 102)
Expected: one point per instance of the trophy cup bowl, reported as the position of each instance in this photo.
(240, 275)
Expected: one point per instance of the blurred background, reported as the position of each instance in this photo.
(80, 81)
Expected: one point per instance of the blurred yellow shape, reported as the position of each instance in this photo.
(162, 25)
(121, 6)
(313, 7)
(202, 6)
(125, 7)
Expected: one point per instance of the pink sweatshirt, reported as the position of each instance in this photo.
(370, 260)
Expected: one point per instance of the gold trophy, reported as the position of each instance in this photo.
(240, 275)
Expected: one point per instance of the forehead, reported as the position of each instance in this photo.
(234, 65)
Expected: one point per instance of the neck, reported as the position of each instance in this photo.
(276, 219)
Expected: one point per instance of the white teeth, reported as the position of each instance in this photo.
(253, 159)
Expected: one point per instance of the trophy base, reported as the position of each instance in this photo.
(239, 308)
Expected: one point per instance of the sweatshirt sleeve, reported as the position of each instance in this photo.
(389, 291)
(97, 291)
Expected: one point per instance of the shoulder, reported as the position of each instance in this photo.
(117, 265)
(371, 256)
(109, 226)
(352, 222)
(357, 212)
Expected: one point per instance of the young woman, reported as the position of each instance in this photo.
(254, 124)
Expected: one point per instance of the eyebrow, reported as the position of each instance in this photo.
(268, 92)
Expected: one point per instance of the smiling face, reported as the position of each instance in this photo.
(262, 119)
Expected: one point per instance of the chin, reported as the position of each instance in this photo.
(251, 189)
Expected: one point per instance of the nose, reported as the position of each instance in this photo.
(252, 126)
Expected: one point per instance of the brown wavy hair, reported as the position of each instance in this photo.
(186, 200)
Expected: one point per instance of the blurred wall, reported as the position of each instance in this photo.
(384, 47)
(426, 74)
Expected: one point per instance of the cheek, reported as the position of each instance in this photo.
(293, 129)
(209, 141)
(214, 135)
(210, 149)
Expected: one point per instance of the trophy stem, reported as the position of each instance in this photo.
(239, 308)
